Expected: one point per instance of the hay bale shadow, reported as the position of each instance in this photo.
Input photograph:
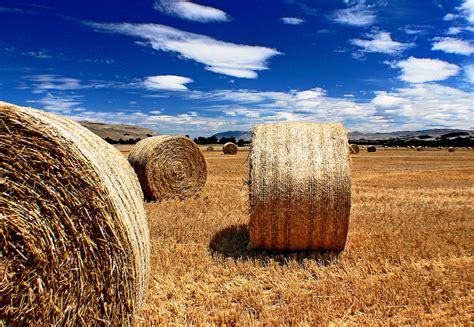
(234, 242)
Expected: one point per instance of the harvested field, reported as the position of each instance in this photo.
(408, 258)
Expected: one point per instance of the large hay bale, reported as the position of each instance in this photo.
(229, 148)
(371, 148)
(169, 167)
(354, 149)
(74, 239)
(300, 186)
(210, 149)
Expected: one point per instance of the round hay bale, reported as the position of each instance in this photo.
(299, 186)
(75, 240)
(210, 149)
(451, 149)
(354, 149)
(419, 148)
(169, 167)
(371, 148)
(229, 148)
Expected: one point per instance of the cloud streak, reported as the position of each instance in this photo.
(220, 57)
(167, 83)
(191, 11)
(292, 20)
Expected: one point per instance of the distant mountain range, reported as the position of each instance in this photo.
(433, 133)
(116, 132)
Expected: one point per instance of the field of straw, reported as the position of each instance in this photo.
(408, 259)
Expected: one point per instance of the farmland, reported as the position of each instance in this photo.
(408, 259)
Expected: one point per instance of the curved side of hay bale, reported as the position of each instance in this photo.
(210, 148)
(371, 148)
(354, 149)
(169, 167)
(75, 240)
(229, 148)
(451, 149)
(299, 186)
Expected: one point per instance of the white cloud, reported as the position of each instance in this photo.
(220, 57)
(385, 100)
(416, 70)
(450, 17)
(452, 45)
(357, 15)
(467, 8)
(381, 42)
(454, 30)
(292, 20)
(469, 71)
(427, 106)
(418, 106)
(191, 11)
(167, 82)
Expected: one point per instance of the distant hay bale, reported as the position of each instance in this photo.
(299, 186)
(419, 148)
(354, 149)
(169, 167)
(371, 148)
(210, 149)
(229, 148)
(75, 240)
(451, 149)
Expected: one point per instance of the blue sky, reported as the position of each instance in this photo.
(201, 67)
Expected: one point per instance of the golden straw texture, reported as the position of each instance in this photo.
(74, 238)
(169, 167)
(229, 148)
(371, 148)
(300, 186)
(354, 149)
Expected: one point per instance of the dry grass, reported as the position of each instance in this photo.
(408, 259)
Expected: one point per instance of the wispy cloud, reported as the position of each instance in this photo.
(44, 82)
(469, 71)
(292, 20)
(167, 82)
(191, 11)
(381, 42)
(453, 45)
(416, 29)
(218, 56)
(15, 10)
(61, 104)
(421, 70)
(358, 14)
(303, 7)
